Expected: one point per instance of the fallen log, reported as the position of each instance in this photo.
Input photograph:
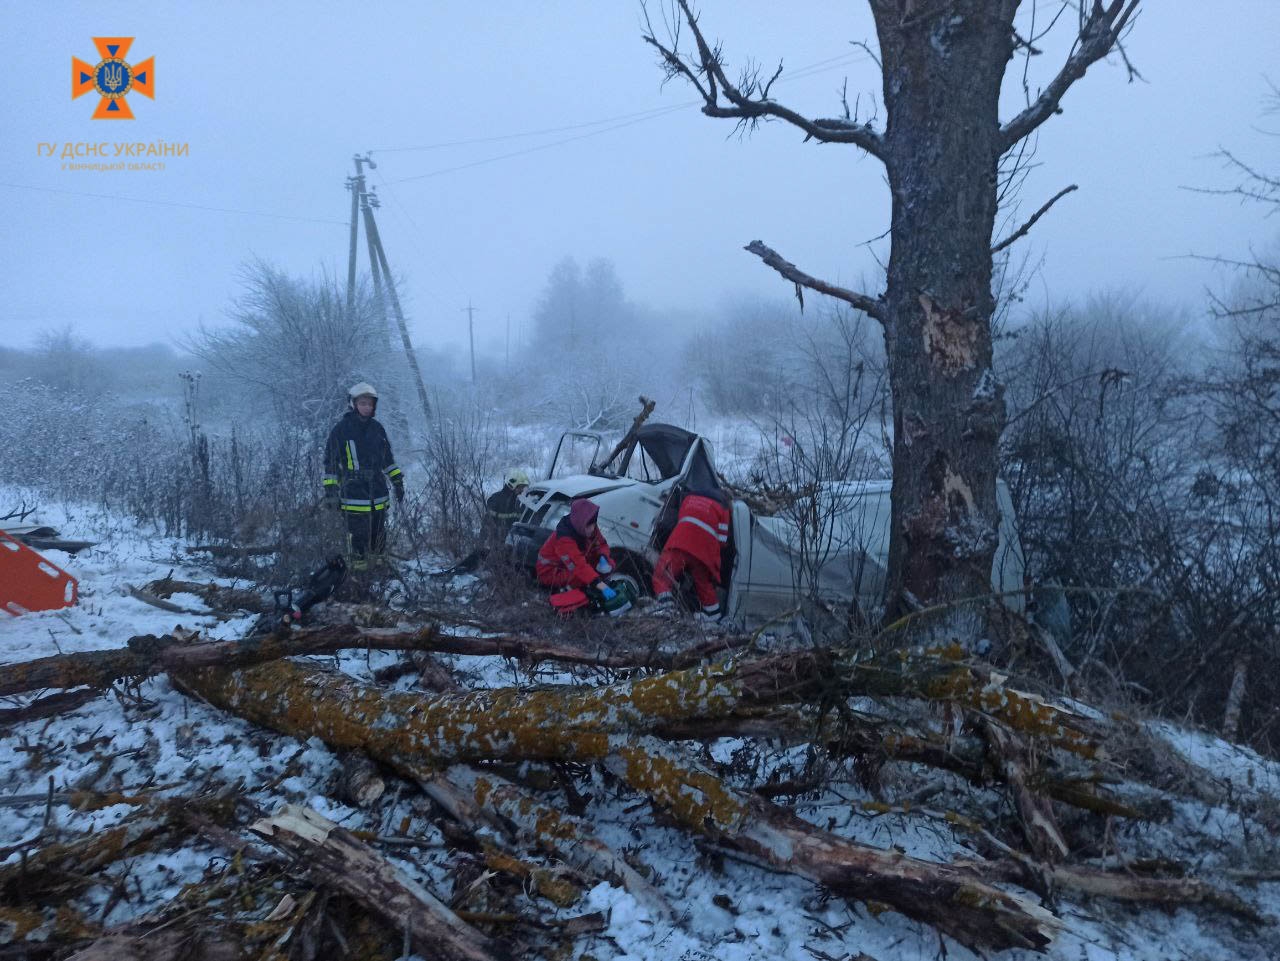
(148, 654)
(412, 732)
(875, 741)
(339, 860)
(408, 731)
(49, 706)
(956, 901)
(215, 595)
(359, 782)
(565, 836)
(164, 605)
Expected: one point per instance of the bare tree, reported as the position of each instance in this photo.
(817, 440)
(294, 343)
(69, 363)
(943, 65)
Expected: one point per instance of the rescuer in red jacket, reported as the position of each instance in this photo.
(701, 531)
(576, 555)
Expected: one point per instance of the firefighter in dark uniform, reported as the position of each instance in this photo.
(502, 509)
(359, 473)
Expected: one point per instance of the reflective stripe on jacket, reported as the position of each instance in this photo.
(359, 464)
(503, 509)
(702, 529)
(567, 561)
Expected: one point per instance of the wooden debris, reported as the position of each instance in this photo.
(360, 784)
(569, 838)
(148, 654)
(336, 858)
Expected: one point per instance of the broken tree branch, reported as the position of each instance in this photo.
(338, 859)
(868, 305)
(147, 654)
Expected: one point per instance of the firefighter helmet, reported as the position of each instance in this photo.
(517, 478)
(359, 390)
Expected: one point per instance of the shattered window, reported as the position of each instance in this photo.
(642, 468)
(575, 455)
(664, 447)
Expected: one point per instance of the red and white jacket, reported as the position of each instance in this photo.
(702, 529)
(569, 560)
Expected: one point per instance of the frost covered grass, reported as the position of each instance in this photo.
(153, 740)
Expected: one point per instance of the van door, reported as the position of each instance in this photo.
(740, 570)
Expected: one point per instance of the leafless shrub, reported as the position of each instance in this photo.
(1145, 492)
(459, 459)
(294, 345)
(816, 438)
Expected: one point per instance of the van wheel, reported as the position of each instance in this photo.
(635, 571)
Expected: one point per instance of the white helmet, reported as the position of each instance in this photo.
(362, 390)
(517, 478)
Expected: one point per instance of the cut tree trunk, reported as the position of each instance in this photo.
(359, 783)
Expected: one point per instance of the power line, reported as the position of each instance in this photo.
(820, 66)
(543, 146)
(623, 120)
(414, 233)
(639, 114)
(173, 203)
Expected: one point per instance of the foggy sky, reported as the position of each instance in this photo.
(273, 103)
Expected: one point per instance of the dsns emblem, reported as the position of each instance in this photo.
(113, 78)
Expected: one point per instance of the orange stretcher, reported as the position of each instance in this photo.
(28, 582)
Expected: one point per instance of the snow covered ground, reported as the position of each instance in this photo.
(156, 739)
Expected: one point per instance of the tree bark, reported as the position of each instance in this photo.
(942, 71)
(147, 654)
(408, 732)
(338, 859)
(1235, 699)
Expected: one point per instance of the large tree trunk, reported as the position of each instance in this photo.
(410, 733)
(943, 66)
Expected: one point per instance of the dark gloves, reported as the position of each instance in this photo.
(331, 501)
(398, 487)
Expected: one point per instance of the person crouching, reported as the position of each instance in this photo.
(701, 532)
(576, 558)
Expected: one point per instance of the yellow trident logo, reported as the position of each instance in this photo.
(113, 78)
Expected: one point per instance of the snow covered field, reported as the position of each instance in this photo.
(157, 740)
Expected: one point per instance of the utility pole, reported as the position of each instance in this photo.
(471, 334)
(356, 186)
(507, 363)
(368, 203)
(375, 248)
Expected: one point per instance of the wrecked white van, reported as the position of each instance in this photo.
(769, 562)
